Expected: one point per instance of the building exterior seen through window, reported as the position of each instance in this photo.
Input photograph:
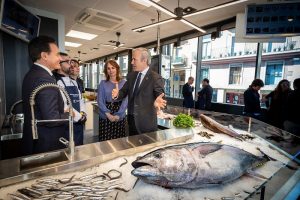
(178, 64)
(230, 66)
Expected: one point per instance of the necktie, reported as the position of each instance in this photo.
(137, 84)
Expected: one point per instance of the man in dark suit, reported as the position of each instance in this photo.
(145, 89)
(49, 104)
(205, 95)
(251, 99)
(187, 93)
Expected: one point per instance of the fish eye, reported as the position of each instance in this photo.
(157, 155)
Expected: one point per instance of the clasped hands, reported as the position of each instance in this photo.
(112, 118)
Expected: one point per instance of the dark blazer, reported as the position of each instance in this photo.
(204, 97)
(187, 93)
(251, 101)
(143, 109)
(48, 105)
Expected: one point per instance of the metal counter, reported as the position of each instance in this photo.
(17, 169)
(11, 171)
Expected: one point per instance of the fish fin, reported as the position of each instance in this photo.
(268, 158)
(253, 173)
(205, 149)
(291, 167)
(272, 159)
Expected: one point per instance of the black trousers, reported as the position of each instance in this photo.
(131, 125)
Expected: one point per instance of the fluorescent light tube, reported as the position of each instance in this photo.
(193, 25)
(72, 44)
(215, 8)
(81, 35)
(152, 25)
(159, 7)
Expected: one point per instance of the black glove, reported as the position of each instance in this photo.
(83, 118)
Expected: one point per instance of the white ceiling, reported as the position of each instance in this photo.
(137, 16)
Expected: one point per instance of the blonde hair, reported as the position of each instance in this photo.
(145, 54)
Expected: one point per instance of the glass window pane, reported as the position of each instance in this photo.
(280, 61)
(229, 66)
(123, 62)
(94, 75)
(101, 71)
(235, 74)
(178, 64)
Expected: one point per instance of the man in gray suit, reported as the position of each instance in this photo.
(145, 91)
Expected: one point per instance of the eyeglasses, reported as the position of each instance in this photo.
(67, 61)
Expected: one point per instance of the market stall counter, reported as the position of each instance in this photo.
(105, 169)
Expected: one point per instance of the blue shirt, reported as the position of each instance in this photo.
(104, 95)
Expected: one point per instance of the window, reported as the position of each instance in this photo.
(273, 73)
(204, 73)
(123, 62)
(165, 71)
(178, 64)
(279, 61)
(234, 98)
(101, 71)
(95, 76)
(235, 74)
(231, 66)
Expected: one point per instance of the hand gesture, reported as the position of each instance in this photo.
(115, 92)
(110, 117)
(159, 102)
(116, 117)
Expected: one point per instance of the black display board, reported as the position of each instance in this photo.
(273, 19)
(18, 21)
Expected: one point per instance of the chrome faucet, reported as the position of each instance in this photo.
(70, 144)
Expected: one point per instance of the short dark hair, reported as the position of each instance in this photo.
(38, 45)
(63, 54)
(296, 83)
(257, 82)
(206, 80)
(74, 60)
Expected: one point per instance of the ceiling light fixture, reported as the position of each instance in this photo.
(143, 3)
(216, 34)
(180, 13)
(72, 44)
(116, 43)
(159, 7)
(152, 25)
(215, 7)
(81, 35)
(193, 25)
(290, 18)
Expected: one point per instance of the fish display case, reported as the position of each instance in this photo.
(105, 169)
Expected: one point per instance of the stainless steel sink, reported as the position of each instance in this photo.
(42, 160)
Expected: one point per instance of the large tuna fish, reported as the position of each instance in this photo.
(195, 165)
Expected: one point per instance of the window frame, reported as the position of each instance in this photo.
(274, 63)
(231, 65)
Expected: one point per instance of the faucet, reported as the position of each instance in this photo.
(10, 118)
(70, 144)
